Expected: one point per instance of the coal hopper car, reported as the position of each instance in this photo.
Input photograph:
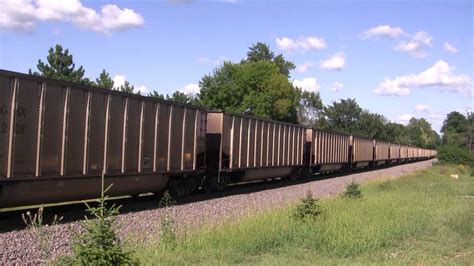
(58, 138)
(328, 151)
(382, 153)
(394, 153)
(362, 152)
(242, 149)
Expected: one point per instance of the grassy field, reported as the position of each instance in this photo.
(422, 218)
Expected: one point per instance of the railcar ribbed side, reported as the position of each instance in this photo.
(58, 138)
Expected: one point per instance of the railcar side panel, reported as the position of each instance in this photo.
(6, 89)
(273, 145)
(236, 140)
(329, 148)
(409, 152)
(115, 134)
(225, 138)
(175, 138)
(244, 142)
(382, 151)
(189, 140)
(52, 103)
(264, 145)
(74, 134)
(95, 133)
(148, 137)
(403, 152)
(25, 128)
(162, 137)
(394, 151)
(362, 149)
(251, 144)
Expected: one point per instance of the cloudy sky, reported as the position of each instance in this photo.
(401, 59)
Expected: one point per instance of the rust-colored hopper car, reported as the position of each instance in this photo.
(58, 138)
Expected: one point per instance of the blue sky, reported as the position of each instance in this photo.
(397, 58)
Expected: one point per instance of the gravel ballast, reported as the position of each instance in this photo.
(20, 246)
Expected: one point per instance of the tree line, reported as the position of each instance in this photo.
(261, 85)
(458, 139)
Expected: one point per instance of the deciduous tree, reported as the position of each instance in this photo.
(373, 126)
(310, 109)
(343, 116)
(261, 52)
(255, 88)
(421, 134)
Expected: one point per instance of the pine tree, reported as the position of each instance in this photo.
(104, 80)
(98, 243)
(60, 66)
(157, 95)
(126, 87)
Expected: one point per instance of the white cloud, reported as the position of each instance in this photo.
(450, 48)
(301, 44)
(142, 89)
(307, 84)
(336, 86)
(416, 46)
(192, 89)
(23, 15)
(422, 108)
(434, 116)
(404, 119)
(384, 31)
(304, 67)
(119, 80)
(218, 61)
(336, 62)
(440, 75)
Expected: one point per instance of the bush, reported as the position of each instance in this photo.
(353, 190)
(98, 244)
(307, 209)
(455, 154)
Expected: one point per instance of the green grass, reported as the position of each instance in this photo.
(422, 218)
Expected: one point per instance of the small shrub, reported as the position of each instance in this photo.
(167, 201)
(353, 190)
(40, 230)
(168, 238)
(307, 209)
(99, 244)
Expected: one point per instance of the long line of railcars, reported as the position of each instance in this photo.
(58, 138)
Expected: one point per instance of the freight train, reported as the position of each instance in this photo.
(58, 138)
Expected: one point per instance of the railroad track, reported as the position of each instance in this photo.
(11, 219)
